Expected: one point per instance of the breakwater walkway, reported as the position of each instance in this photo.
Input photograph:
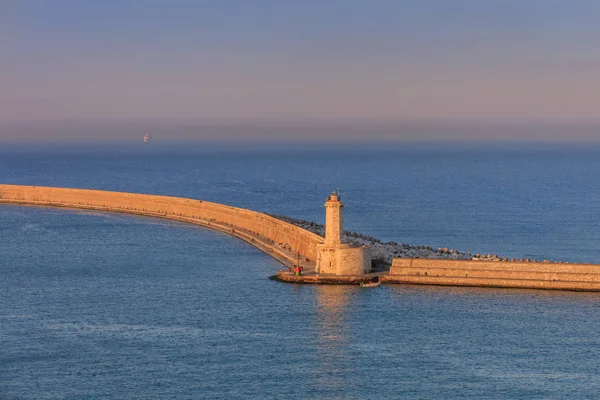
(283, 241)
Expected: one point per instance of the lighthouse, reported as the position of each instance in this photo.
(334, 219)
(334, 255)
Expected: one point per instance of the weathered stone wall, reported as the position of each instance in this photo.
(495, 273)
(257, 223)
(326, 260)
(343, 259)
(353, 261)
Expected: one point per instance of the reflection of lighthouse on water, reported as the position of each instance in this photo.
(332, 342)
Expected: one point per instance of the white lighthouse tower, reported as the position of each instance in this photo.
(335, 256)
(334, 220)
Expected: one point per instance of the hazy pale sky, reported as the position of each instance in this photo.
(278, 61)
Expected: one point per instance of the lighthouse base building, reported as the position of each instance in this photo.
(335, 256)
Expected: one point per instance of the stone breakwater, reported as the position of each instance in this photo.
(284, 238)
(504, 274)
(261, 230)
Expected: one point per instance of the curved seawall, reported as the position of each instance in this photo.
(277, 238)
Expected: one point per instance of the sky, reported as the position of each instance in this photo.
(390, 65)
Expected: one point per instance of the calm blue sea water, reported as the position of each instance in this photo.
(112, 306)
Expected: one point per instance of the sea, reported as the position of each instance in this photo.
(111, 306)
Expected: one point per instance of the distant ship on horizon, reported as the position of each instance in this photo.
(146, 138)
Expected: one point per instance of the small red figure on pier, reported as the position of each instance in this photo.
(298, 268)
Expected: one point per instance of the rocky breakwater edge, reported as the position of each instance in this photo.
(384, 267)
(384, 252)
